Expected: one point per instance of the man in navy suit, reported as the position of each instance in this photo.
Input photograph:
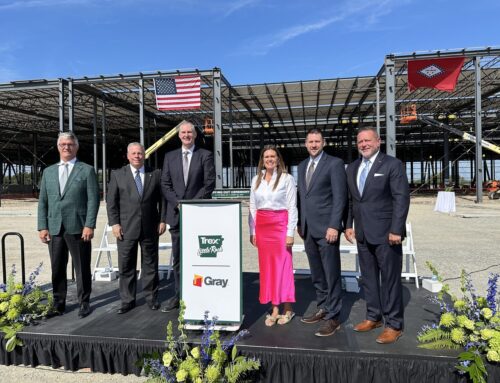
(136, 213)
(379, 200)
(188, 173)
(322, 199)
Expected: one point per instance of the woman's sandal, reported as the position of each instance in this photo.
(284, 319)
(271, 321)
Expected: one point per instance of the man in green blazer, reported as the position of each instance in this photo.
(67, 212)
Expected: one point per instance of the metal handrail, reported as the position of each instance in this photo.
(4, 266)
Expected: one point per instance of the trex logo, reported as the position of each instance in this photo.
(210, 245)
(199, 280)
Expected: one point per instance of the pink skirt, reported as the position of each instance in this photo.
(275, 259)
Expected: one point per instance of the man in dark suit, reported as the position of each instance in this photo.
(379, 199)
(188, 173)
(67, 212)
(322, 201)
(137, 216)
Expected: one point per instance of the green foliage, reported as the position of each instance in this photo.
(471, 323)
(473, 366)
(21, 305)
(210, 362)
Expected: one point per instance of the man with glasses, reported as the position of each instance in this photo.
(67, 212)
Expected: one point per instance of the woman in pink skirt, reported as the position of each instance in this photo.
(272, 220)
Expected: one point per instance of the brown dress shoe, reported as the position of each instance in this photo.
(315, 317)
(367, 325)
(389, 335)
(328, 328)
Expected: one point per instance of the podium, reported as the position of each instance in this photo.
(211, 258)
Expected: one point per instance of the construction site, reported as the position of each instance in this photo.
(447, 140)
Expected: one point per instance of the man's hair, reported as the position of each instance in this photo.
(315, 131)
(68, 135)
(193, 128)
(368, 128)
(135, 144)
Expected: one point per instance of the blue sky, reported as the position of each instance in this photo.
(252, 41)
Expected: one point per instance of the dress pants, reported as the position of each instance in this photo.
(127, 264)
(324, 262)
(176, 259)
(381, 280)
(59, 245)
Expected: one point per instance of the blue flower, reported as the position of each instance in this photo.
(492, 292)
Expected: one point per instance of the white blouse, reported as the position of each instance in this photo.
(284, 197)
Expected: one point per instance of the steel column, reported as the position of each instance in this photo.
(94, 126)
(390, 107)
(479, 131)
(141, 111)
(71, 107)
(216, 78)
(61, 104)
(104, 168)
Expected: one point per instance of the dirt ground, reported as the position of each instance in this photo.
(467, 239)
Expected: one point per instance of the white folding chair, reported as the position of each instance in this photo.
(104, 247)
(409, 252)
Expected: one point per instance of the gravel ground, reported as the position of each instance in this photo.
(467, 239)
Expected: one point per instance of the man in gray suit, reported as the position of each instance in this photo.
(379, 200)
(322, 201)
(188, 173)
(136, 213)
(67, 212)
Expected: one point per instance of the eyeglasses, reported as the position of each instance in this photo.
(66, 145)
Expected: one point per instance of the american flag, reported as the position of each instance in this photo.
(178, 93)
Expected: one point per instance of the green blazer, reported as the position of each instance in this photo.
(76, 208)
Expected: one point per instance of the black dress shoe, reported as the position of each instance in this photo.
(315, 317)
(172, 304)
(154, 305)
(328, 327)
(84, 310)
(126, 308)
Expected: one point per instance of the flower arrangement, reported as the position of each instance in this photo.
(21, 305)
(212, 361)
(471, 323)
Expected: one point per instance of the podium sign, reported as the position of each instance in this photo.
(210, 236)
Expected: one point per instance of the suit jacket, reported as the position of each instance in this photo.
(76, 208)
(200, 185)
(384, 205)
(126, 207)
(324, 204)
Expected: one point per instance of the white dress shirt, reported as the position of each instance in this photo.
(71, 165)
(284, 197)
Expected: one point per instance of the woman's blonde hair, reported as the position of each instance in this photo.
(280, 168)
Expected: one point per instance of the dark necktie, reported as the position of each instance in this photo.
(363, 175)
(185, 166)
(309, 175)
(138, 182)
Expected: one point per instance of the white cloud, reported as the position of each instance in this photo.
(363, 12)
(239, 4)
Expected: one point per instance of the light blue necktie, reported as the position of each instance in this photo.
(138, 182)
(363, 175)
(64, 177)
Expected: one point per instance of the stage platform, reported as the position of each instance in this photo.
(111, 343)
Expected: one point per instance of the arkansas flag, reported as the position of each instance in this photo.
(441, 74)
